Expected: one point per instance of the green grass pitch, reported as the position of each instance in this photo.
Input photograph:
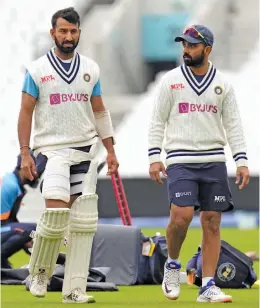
(146, 296)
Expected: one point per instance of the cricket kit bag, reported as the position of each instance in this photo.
(152, 260)
(234, 268)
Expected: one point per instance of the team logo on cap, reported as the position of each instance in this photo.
(87, 77)
(218, 90)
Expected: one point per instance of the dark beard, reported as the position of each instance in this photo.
(196, 61)
(66, 49)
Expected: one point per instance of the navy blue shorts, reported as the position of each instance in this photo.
(204, 186)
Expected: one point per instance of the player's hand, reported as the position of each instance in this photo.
(28, 166)
(155, 170)
(112, 163)
(242, 175)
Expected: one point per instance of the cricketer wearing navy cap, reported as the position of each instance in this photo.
(197, 41)
(196, 34)
(182, 117)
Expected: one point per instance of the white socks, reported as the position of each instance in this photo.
(205, 280)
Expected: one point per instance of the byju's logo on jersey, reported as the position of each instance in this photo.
(187, 107)
(183, 107)
(58, 98)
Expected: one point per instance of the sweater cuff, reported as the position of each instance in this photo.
(154, 155)
(241, 159)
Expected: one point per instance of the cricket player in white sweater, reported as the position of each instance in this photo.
(196, 110)
(62, 91)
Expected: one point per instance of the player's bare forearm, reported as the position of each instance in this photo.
(25, 121)
(97, 104)
(112, 162)
(108, 144)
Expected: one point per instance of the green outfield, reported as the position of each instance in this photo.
(146, 296)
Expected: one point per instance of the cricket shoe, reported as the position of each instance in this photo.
(212, 294)
(38, 284)
(77, 296)
(171, 280)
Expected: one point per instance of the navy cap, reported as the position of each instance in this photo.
(196, 34)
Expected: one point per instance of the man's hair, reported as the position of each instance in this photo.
(68, 14)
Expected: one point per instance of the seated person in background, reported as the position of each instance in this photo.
(14, 239)
(12, 193)
(14, 234)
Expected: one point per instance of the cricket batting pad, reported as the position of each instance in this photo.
(82, 228)
(48, 240)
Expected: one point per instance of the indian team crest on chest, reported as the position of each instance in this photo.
(218, 90)
(86, 77)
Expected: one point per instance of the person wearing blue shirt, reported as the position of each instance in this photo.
(12, 191)
(15, 235)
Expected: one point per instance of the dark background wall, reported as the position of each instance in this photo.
(148, 199)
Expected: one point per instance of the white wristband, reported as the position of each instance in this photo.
(104, 125)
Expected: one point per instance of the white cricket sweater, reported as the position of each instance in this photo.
(195, 119)
(63, 116)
